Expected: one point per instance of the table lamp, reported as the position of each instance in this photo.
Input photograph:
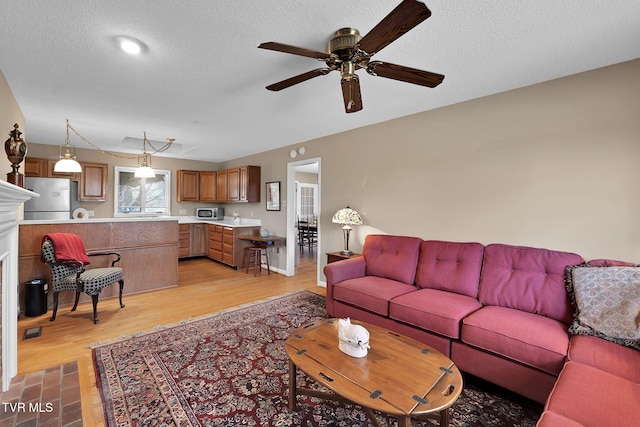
(347, 217)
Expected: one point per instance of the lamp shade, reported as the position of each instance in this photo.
(347, 216)
(67, 164)
(144, 172)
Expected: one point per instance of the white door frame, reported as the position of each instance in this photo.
(292, 236)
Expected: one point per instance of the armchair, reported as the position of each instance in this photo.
(69, 274)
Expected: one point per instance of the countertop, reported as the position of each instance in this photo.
(227, 221)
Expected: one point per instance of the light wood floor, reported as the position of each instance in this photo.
(204, 287)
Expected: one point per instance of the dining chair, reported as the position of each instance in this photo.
(72, 274)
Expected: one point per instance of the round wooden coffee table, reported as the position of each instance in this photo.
(399, 376)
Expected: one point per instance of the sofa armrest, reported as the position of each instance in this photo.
(339, 271)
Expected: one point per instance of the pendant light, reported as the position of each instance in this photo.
(145, 170)
(67, 162)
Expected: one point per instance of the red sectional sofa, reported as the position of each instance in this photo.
(500, 312)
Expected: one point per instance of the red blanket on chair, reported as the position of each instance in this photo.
(67, 247)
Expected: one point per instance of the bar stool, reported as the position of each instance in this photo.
(253, 254)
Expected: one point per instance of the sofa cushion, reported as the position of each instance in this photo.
(605, 355)
(392, 257)
(450, 266)
(593, 397)
(433, 310)
(370, 293)
(527, 279)
(552, 419)
(528, 338)
(606, 302)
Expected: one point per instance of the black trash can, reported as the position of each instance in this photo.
(35, 297)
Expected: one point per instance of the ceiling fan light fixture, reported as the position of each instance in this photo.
(345, 39)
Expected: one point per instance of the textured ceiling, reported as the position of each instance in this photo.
(201, 77)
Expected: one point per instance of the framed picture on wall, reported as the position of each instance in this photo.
(273, 196)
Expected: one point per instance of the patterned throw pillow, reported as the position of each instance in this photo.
(606, 302)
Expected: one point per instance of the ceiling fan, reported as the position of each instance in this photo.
(348, 51)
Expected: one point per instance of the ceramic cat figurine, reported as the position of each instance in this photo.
(353, 339)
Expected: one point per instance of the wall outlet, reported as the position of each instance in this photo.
(182, 212)
(91, 213)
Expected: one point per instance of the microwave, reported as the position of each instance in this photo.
(210, 213)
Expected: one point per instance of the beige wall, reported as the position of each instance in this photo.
(10, 114)
(552, 165)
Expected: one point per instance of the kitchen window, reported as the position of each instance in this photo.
(142, 196)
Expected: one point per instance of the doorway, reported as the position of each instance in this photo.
(303, 194)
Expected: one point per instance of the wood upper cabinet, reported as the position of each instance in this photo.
(250, 184)
(34, 166)
(208, 186)
(51, 164)
(233, 185)
(228, 186)
(243, 184)
(43, 168)
(92, 182)
(221, 186)
(188, 186)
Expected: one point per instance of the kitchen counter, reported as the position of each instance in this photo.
(98, 220)
(148, 246)
(227, 221)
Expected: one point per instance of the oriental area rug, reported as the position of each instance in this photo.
(231, 369)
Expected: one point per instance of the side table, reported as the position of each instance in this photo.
(337, 256)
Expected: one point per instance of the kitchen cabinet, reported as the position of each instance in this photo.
(92, 182)
(243, 184)
(225, 246)
(184, 240)
(198, 245)
(208, 186)
(250, 184)
(196, 186)
(192, 240)
(221, 186)
(233, 185)
(236, 185)
(43, 168)
(188, 185)
(51, 164)
(36, 167)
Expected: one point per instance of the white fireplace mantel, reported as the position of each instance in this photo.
(11, 198)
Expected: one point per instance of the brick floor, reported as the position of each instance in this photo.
(48, 398)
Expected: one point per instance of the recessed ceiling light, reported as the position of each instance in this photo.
(130, 45)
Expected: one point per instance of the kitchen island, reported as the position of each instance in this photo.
(148, 246)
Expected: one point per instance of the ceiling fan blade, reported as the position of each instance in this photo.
(405, 74)
(298, 79)
(295, 50)
(403, 18)
(351, 94)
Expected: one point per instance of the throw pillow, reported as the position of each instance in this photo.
(606, 302)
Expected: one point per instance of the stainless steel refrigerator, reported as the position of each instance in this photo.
(58, 198)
